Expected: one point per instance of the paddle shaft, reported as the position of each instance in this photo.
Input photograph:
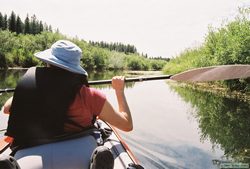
(101, 82)
(137, 79)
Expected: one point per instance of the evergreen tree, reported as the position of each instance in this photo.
(57, 31)
(19, 25)
(30, 25)
(1, 21)
(33, 25)
(45, 27)
(115, 46)
(12, 22)
(27, 25)
(40, 27)
(50, 28)
(5, 22)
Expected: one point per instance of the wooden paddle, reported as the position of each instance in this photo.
(212, 73)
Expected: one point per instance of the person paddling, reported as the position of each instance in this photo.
(55, 100)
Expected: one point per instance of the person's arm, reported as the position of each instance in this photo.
(122, 118)
(7, 105)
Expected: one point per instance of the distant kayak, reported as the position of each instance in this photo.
(78, 152)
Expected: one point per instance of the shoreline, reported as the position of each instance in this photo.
(146, 72)
(15, 68)
(215, 89)
(142, 72)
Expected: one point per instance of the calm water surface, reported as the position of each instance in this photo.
(173, 127)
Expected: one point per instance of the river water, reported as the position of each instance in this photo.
(176, 128)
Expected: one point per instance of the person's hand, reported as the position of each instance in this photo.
(118, 83)
(7, 105)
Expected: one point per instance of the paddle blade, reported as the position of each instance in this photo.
(213, 73)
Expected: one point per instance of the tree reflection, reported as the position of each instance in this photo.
(223, 121)
(9, 78)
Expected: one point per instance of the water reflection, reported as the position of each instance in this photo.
(9, 78)
(224, 121)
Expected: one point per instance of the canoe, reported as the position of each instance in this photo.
(76, 152)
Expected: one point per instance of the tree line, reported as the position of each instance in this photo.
(116, 46)
(126, 48)
(31, 25)
(17, 50)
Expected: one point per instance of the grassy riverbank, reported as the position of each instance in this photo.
(226, 45)
(215, 88)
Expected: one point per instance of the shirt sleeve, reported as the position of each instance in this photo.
(96, 100)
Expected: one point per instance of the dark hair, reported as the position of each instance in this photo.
(74, 82)
(77, 80)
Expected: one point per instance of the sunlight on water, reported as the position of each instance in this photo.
(165, 134)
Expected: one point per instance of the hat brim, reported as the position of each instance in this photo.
(47, 57)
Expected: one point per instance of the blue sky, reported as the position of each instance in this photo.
(156, 27)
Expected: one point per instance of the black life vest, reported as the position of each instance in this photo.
(40, 103)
